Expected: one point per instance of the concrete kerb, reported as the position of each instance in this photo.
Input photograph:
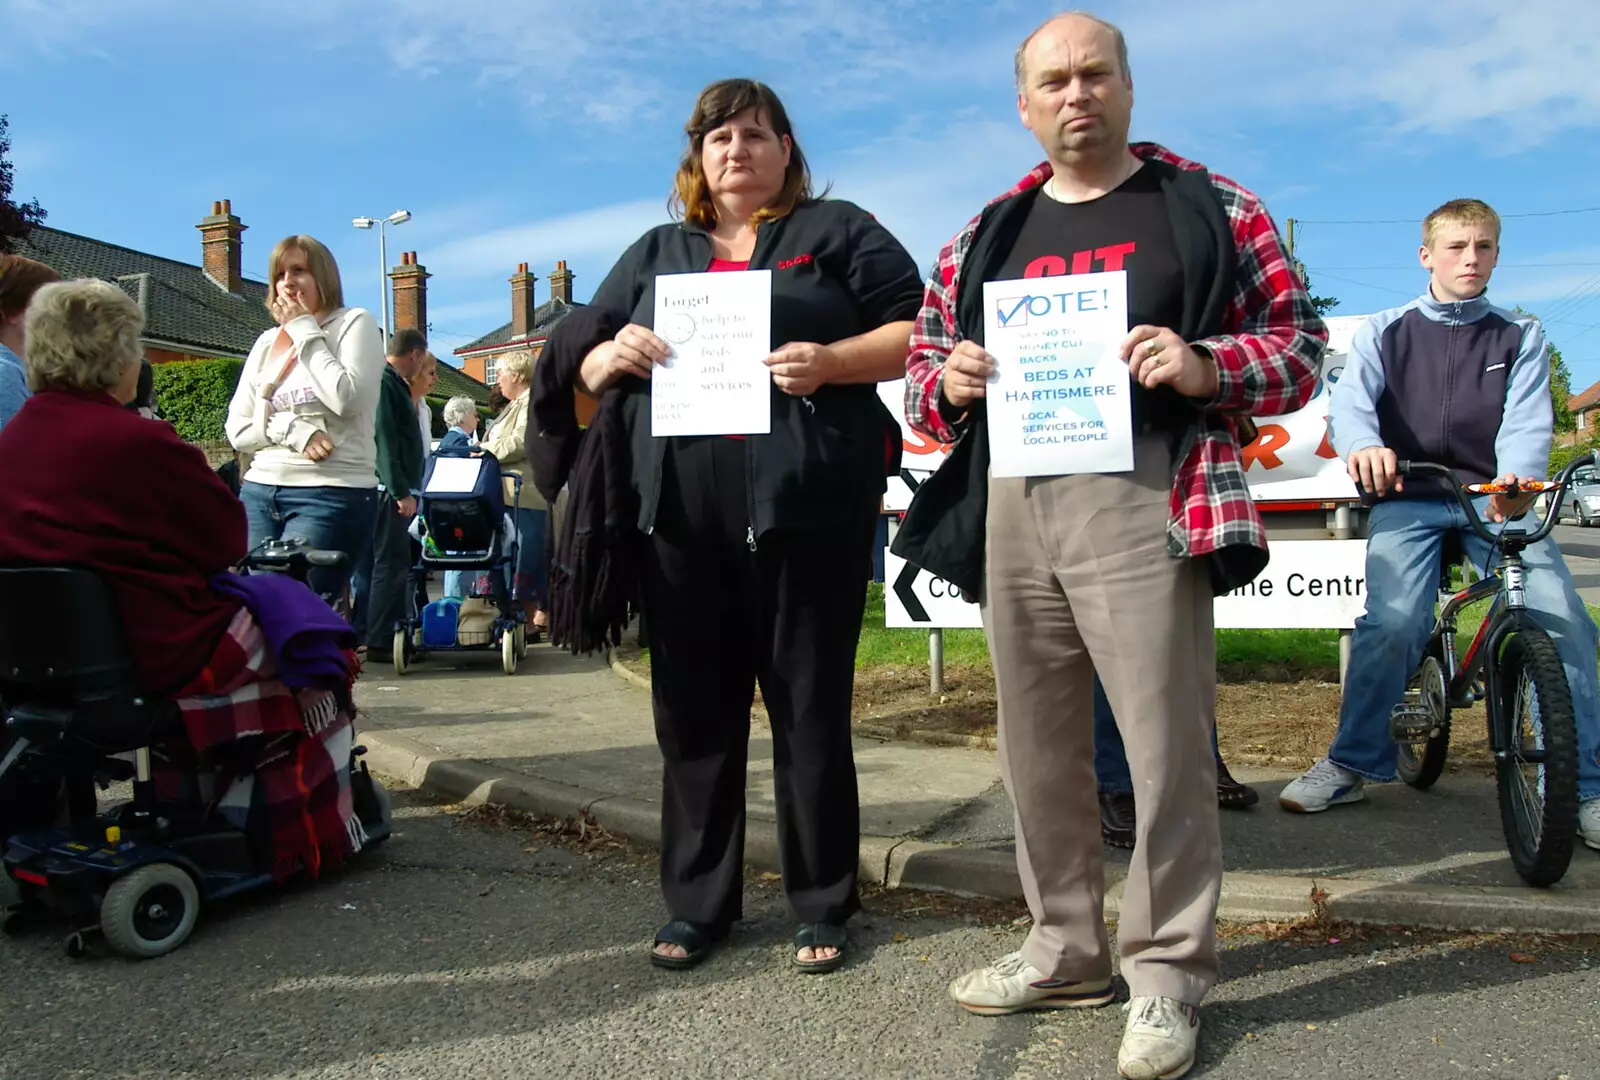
(903, 863)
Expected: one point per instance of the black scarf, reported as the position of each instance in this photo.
(594, 575)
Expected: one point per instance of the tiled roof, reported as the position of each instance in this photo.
(453, 382)
(1586, 400)
(545, 316)
(182, 305)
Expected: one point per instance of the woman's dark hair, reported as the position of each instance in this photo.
(718, 103)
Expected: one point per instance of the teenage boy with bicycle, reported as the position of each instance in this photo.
(1453, 379)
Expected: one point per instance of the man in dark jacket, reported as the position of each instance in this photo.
(380, 584)
(1110, 571)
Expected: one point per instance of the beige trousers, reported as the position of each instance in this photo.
(1079, 580)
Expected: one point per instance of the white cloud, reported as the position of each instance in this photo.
(1508, 76)
(601, 231)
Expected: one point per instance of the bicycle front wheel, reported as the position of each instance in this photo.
(1532, 724)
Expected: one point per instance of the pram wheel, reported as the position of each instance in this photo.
(151, 911)
(508, 651)
(402, 651)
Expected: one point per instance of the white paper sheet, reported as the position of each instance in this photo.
(453, 475)
(719, 327)
(1060, 401)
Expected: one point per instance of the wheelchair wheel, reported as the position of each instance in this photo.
(508, 652)
(522, 641)
(402, 651)
(1532, 722)
(1422, 761)
(150, 911)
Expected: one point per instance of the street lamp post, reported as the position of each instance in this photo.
(399, 217)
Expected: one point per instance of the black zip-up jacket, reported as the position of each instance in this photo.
(836, 273)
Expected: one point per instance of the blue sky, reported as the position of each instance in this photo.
(535, 130)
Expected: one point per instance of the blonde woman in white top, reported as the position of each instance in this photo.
(305, 409)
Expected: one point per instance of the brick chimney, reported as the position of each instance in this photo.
(561, 283)
(220, 246)
(522, 301)
(410, 293)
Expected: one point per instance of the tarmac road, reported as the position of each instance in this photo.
(484, 950)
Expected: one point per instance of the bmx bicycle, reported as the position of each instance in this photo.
(1512, 666)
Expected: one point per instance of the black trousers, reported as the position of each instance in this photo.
(722, 618)
(385, 599)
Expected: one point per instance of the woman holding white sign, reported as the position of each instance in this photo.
(756, 451)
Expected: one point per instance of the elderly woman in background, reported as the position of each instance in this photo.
(507, 443)
(92, 484)
(756, 549)
(19, 279)
(461, 420)
(461, 414)
(305, 408)
(161, 530)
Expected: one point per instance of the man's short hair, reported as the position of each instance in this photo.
(1020, 62)
(458, 410)
(406, 340)
(1459, 212)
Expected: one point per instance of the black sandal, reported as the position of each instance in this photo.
(693, 938)
(818, 935)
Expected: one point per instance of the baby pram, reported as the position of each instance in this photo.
(463, 525)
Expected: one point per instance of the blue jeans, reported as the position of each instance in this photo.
(1110, 756)
(330, 518)
(1404, 537)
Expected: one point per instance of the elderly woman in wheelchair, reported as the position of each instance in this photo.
(124, 628)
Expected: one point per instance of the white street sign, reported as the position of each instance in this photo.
(1307, 585)
(914, 598)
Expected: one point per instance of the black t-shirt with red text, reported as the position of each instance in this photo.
(1125, 229)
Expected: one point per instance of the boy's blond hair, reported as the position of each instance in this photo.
(1459, 212)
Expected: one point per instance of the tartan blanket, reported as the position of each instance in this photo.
(272, 759)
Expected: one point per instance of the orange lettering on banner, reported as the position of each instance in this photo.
(923, 445)
(1270, 440)
(1326, 450)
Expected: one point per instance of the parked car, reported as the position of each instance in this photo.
(1582, 500)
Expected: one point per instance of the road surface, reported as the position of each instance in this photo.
(482, 950)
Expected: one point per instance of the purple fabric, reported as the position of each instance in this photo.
(308, 639)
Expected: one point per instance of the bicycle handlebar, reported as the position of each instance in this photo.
(1563, 478)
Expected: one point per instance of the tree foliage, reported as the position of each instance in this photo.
(1323, 304)
(16, 219)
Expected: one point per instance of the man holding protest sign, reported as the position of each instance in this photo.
(1180, 281)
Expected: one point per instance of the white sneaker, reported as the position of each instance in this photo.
(1011, 985)
(1158, 1043)
(1589, 823)
(1321, 786)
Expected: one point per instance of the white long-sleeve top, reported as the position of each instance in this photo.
(332, 389)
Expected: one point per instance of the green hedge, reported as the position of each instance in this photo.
(193, 396)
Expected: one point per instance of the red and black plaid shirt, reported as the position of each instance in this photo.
(1266, 364)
